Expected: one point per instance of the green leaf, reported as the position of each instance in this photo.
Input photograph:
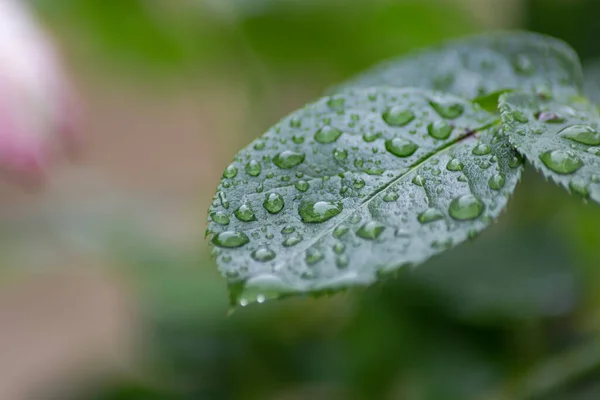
(592, 81)
(561, 141)
(480, 65)
(355, 186)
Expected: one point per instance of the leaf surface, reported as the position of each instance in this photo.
(480, 65)
(561, 141)
(357, 185)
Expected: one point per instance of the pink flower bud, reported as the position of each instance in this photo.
(36, 108)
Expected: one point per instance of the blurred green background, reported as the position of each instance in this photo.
(172, 89)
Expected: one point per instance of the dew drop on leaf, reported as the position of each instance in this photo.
(273, 203)
(220, 218)
(448, 110)
(497, 181)
(454, 165)
(583, 134)
(340, 231)
(561, 161)
(358, 183)
(263, 254)
(313, 256)
(230, 172)
(327, 134)
(390, 196)
(336, 104)
(288, 159)
(253, 168)
(288, 229)
(430, 215)
(440, 130)
(230, 239)
(482, 149)
(550, 117)
(340, 154)
(466, 207)
(320, 211)
(245, 213)
(370, 230)
(302, 186)
(418, 180)
(401, 147)
(578, 185)
(223, 199)
(292, 241)
(398, 116)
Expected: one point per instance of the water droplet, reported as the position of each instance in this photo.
(370, 137)
(595, 178)
(340, 231)
(561, 162)
(515, 161)
(263, 254)
(436, 172)
(302, 186)
(579, 185)
(288, 229)
(430, 215)
(230, 172)
(226, 185)
(496, 182)
(220, 218)
(270, 175)
(359, 162)
(523, 64)
(319, 211)
(342, 261)
(398, 116)
(336, 104)
(245, 213)
(288, 159)
(466, 207)
(355, 219)
(298, 139)
(339, 248)
(447, 109)
(327, 134)
(583, 134)
(520, 116)
(313, 256)
(440, 130)
(550, 117)
(462, 178)
(370, 230)
(273, 203)
(374, 171)
(358, 183)
(340, 154)
(230, 239)
(253, 168)
(401, 147)
(418, 180)
(223, 199)
(391, 196)
(292, 241)
(259, 145)
(482, 149)
(295, 123)
(454, 165)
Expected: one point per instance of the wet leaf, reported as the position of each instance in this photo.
(481, 65)
(424, 171)
(561, 141)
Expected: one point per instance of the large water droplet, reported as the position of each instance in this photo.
(288, 229)
(358, 183)
(454, 165)
(398, 116)
(245, 213)
(401, 147)
(370, 137)
(466, 207)
(230, 172)
(482, 149)
(579, 185)
(230, 239)
(370, 230)
(550, 117)
(253, 168)
(288, 159)
(263, 254)
(273, 203)
(340, 154)
(496, 182)
(302, 186)
(584, 134)
(447, 109)
(220, 218)
(440, 130)
(359, 162)
(327, 134)
(430, 215)
(561, 162)
(292, 241)
(319, 211)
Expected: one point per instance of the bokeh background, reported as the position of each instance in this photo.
(108, 291)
